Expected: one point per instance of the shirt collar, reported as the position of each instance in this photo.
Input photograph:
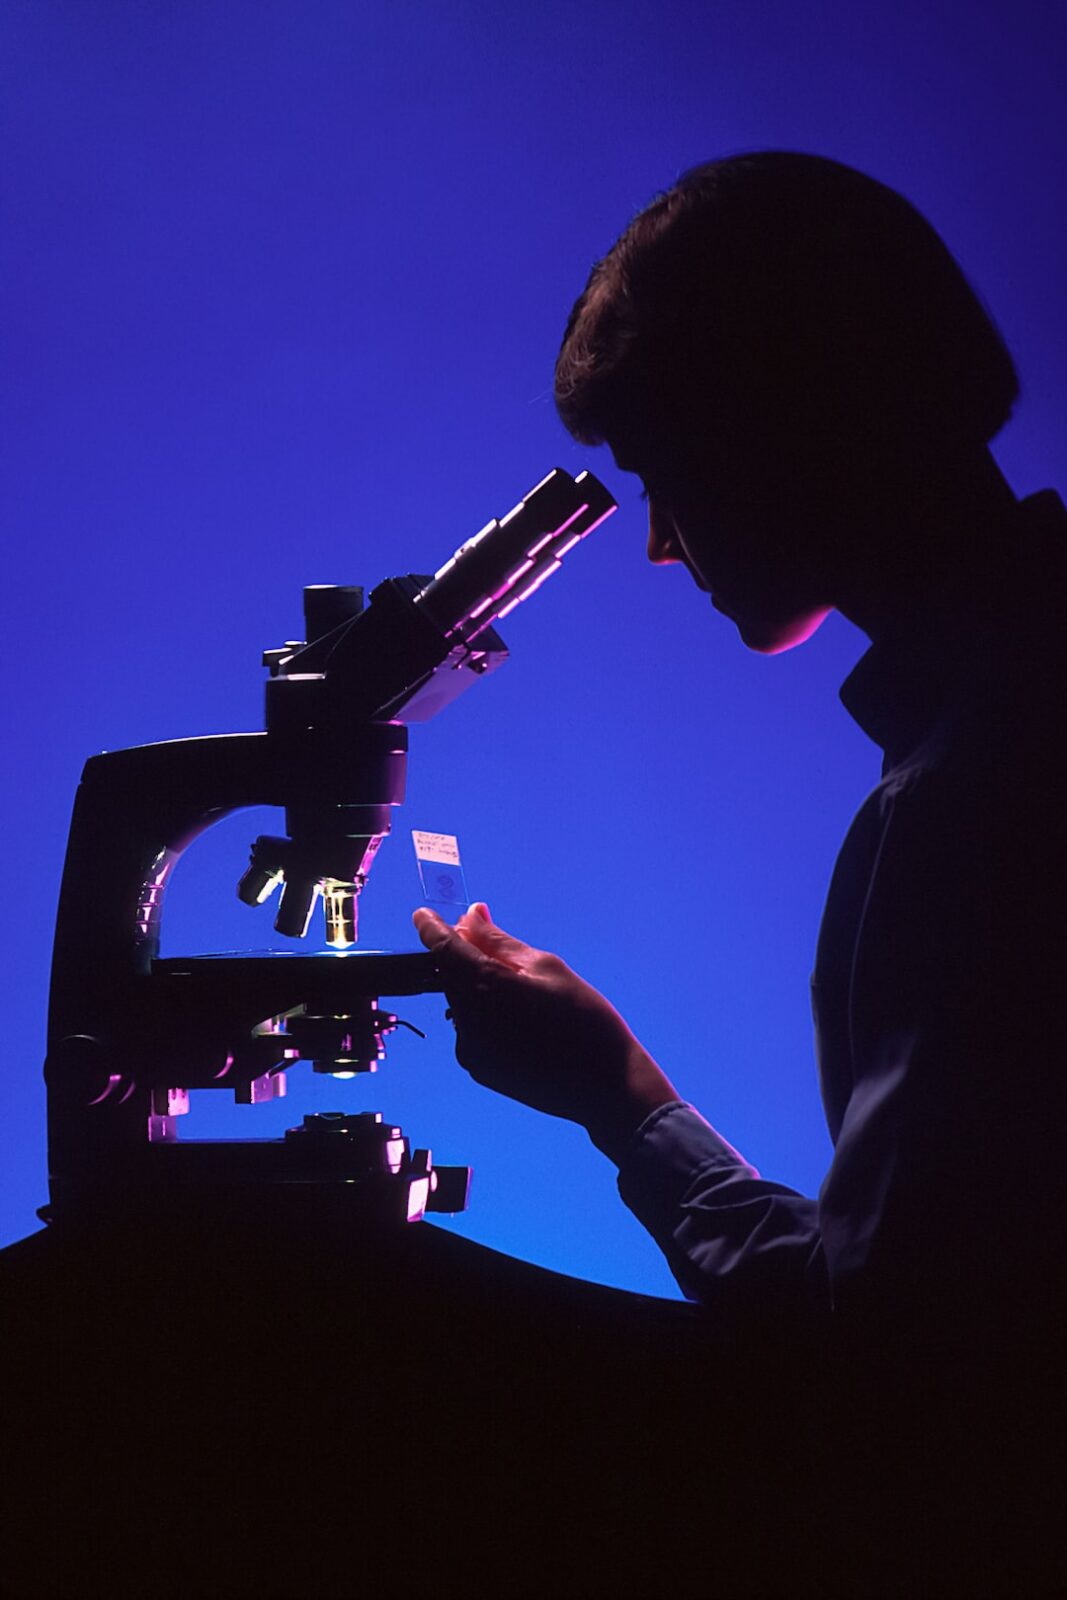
(902, 685)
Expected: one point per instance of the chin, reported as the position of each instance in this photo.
(774, 638)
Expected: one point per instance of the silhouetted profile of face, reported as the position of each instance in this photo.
(752, 528)
(770, 343)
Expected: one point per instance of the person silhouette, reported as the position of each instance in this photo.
(790, 358)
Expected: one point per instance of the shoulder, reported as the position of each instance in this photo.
(996, 743)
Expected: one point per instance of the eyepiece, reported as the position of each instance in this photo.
(506, 561)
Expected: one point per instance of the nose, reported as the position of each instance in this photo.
(662, 538)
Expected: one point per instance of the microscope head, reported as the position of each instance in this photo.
(419, 644)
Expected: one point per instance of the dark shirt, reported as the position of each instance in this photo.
(939, 994)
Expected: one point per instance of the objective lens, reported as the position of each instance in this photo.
(340, 903)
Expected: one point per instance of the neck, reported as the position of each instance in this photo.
(933, 541)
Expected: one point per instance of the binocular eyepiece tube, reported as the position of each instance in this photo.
(508, 559)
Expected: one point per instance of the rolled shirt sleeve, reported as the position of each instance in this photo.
(746, 1247)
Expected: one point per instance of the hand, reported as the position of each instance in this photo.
(530, 1028)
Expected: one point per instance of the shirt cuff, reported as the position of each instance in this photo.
(670, 1147)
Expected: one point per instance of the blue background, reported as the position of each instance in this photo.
(283, 283)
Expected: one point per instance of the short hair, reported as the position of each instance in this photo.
(775, 278)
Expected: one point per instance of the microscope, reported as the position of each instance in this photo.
(229, 1366)
(132, 1034)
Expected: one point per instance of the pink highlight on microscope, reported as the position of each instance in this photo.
(547, 538)
(149, 902)
(569, 546)
(418, 1195)
(609, 513)
(519, 572)
(531, 588)
(504, 588)
(113, 1083)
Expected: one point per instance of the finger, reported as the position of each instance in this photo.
(464, 923)
(457, 959)
(481, 931)
(431, 929)
(476, 927)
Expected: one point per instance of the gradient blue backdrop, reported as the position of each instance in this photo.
(283, 282)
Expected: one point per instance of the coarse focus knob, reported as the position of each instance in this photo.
(78, 1070)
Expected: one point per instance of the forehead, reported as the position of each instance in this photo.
(649, 453)
(659, 462)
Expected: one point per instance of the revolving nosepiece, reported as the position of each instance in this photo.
(282, 862)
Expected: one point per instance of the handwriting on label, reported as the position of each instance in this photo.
(436, 847)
